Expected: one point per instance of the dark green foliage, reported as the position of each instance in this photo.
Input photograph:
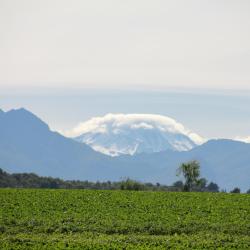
(191, 172)
(202, 186)
(212, 187)
(129, 184)
(202, 183)
(34, 181)
(90, 219)
(235, 190)
(178, 185)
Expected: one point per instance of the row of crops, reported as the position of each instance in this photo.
(85, 219)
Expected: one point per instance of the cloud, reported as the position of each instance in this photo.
(142, 125)
(119, 123)
(243, 139)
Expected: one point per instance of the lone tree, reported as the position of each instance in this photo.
(191, 173)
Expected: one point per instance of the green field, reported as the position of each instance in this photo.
(84, 219)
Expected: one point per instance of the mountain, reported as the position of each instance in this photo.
(28, 145)
(225, 162)
(121, 134)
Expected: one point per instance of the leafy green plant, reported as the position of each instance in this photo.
(91, 219)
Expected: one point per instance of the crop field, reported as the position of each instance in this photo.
(85, 219)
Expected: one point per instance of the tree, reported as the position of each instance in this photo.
(212, 187)
(129, 184)
(191, 172)
(248, 191)
(235, 190)
(178, 186)
(201, 185)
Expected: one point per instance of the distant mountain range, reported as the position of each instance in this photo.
(28, 145)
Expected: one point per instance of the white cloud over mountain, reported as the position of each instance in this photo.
(116, 134)
(243, 139)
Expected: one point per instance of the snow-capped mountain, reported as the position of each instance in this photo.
(28, 145)
(118, 134)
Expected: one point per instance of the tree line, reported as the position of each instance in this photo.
(31, 180)
(190, 173)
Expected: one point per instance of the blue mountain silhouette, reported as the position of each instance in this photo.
(28, 145)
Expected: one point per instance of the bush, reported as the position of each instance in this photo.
(129, 184)
(235, 190)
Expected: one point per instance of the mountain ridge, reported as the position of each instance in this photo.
(28, 145)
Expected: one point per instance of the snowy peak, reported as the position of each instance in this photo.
(118, 134)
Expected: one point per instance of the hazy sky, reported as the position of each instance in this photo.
(68, 61)
(159, 43)
(211, 114)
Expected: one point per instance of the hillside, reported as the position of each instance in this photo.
(28, 145)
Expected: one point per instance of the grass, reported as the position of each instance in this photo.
(90, 219)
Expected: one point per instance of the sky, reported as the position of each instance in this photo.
(115, 43)
(210, 113)
(68, 61)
